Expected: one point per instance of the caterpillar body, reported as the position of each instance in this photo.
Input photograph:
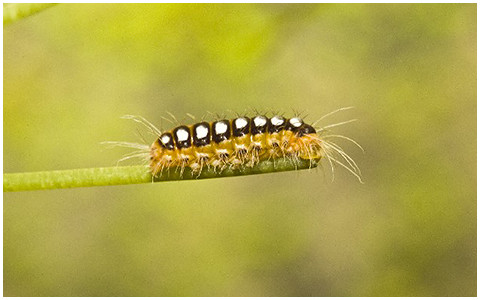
(241, 142)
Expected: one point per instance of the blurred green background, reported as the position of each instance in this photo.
(71, 71)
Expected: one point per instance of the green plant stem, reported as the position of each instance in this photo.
(15, 11)
(61, 179)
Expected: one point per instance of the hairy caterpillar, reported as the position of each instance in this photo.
(240, 143)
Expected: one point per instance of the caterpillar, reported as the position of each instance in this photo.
(240, 142)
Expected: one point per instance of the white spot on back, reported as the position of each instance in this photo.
(220, 128)
(296, 122)
(277, 121)
(182, 135)
(165, 139)
(241, 123)
(259, 121)
(201, 131)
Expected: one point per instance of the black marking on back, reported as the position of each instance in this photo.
(168, 143)
(219, 137)
(183, 143)
(198, 142)
(277, 128)
(291, 126)
(261, 128)
(238, 132)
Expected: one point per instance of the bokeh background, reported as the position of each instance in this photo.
(71, 72)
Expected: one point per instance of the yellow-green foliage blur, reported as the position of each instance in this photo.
(71, 72)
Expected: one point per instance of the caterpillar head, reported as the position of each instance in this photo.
(309, 142)
(161, 146)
